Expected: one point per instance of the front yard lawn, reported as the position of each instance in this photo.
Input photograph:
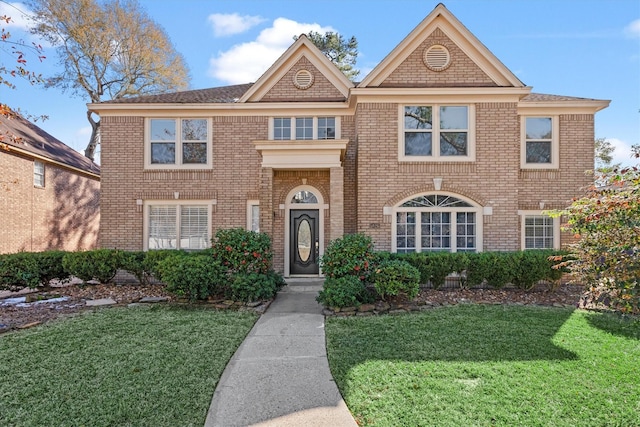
(488, 365)
(155, 366)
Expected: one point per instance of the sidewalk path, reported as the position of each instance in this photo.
(280, 375)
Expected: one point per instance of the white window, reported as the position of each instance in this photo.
(38, 174)
(437, 222)
(540, 147)
(304, 128)
(539, 231)
(437, 132)
(178, 144)
(177, 226)
(253, 215)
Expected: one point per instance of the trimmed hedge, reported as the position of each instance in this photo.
(195, 277)
(99, 264)
(345, 291)
(31, 269)
(396, 277)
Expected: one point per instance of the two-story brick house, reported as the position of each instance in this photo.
(440, 147)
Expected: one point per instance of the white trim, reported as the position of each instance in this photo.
(529, 213)
(145, 216)
(250, 205)
(435, 135)
(320, 206)
(178, 165)
(476, 208)
(555, 143)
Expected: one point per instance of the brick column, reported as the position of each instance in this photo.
(336, 203)
(266, 201)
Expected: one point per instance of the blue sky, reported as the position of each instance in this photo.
(584, 48)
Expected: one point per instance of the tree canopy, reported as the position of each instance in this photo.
(341, 52)
(108, 49)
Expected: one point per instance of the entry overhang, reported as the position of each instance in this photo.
(314, 154)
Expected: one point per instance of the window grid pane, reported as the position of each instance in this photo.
(436, 231)
(326, 128)
(38, 174)
(466, 231)
(304, 128)
(538, 232)
(162, 227)
(406, 232)
(282, 128)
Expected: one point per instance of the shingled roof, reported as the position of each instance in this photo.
(216, 95)
(36, 141)
(543, 97)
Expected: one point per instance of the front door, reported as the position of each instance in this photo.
(304, 242)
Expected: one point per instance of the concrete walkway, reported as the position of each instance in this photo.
(280, 374)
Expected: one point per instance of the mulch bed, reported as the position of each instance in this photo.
(13, 317)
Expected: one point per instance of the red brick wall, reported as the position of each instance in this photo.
(64, 215)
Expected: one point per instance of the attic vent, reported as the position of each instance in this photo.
(303, 79)
(437, 58)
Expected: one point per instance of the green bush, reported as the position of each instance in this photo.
(254, 286)
(434, 267)
(194, 277)
(99, 264)
(345, 291)
(51, 267)
(395, 277)
(133, 262)
(352, 255)
(19, 271)
(153, 258)
(493, 267)
(242, 251)
(529, 268)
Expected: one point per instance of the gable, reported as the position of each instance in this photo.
(277, 83)
(320, 89)
(471, 63)
(461, 71)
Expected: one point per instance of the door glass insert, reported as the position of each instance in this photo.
(304, 197)
(304, 240)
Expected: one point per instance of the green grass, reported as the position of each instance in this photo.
(153, 366)
(480, 365)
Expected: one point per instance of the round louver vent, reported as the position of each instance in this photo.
(303, 79)
(437, 58)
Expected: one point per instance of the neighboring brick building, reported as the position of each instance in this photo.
(49, 193)
(440, 147)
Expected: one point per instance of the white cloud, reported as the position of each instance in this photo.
(246, 62)
(230, 24)
(19, 14)
(621, 153)
(633, 29)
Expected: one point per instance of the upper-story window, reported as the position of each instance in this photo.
(437, 132)
(178, 143)
(304, 128)
(38, 174)
(540, 148)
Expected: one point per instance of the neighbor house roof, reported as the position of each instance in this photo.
(37, 143)
(216, 95)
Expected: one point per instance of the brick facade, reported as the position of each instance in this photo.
(64, 214)
(361, 189)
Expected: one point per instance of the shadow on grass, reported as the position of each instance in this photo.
(615, 324)
(473, 333)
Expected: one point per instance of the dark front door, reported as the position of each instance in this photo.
(304, 242)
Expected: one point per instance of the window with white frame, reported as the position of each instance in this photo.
(437, 132)
(540, 148)
(304, 128)
(38, 174)
(253, 215)
(539, 231)
(178, 143)
(437, 222)
(177, 226)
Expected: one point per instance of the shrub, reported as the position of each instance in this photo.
(152, 260)
(529, 268)
(194, 277)
(254, 286)
(51, 266)
(396, 278)
(493, 267)
(434, 267)
(345, 291)
(352, 255)
(19, 271)
(133, 262)
(99, 264)
(242, 251)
